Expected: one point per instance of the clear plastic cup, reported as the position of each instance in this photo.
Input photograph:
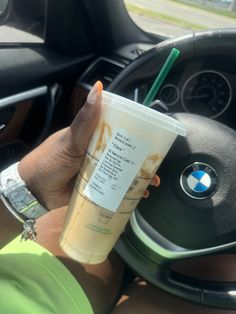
(127, 147)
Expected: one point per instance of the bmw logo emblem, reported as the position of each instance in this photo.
(199, 180)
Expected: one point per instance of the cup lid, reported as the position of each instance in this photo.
(145, 113)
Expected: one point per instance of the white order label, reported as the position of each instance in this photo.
(116, 169)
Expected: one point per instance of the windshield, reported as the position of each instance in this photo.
(3, 5)
(173, 18)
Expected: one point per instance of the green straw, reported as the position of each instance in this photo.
(161, 76)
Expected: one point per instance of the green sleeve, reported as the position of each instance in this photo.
(33, 281)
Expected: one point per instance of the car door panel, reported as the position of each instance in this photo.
(24, 68)
(21, 124)
(32, 81)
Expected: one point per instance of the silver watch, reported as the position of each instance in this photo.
(18, 199)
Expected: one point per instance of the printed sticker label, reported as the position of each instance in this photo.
(116, 169)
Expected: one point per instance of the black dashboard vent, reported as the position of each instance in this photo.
(104, 70)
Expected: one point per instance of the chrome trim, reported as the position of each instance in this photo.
(169, 104)
(199, 197)
(159, 103)
(169, 250)
(81, 80)
(136, 92)
(32, 93)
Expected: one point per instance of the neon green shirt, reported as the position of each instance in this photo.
(33, 281)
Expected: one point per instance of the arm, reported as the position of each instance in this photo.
(10, 227)
(49, 171)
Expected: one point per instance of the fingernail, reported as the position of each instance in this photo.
(94, 93)
(156, 181)
(146, 194)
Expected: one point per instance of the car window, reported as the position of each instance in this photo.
(22, 21)
(3, 5)
(173, 18)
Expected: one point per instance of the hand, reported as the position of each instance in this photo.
(156, 181)
(50, 170)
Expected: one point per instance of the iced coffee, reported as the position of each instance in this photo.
(125, 152)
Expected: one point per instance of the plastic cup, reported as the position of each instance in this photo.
(127, 147)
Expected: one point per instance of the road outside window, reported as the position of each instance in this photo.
(22, 21)
(3, 5)
(174, 18)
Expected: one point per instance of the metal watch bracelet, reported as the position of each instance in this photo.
(19, 201)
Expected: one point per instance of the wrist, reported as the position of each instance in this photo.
(9, 226)
(19, 201)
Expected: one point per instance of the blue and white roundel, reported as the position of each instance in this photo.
(199, 180)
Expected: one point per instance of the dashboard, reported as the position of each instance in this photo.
(205, 87)
(207, 92)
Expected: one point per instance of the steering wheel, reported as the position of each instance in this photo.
(193, 212)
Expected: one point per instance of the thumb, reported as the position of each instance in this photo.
(86, 120)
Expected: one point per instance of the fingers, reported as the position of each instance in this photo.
(156, 181)
(146, 194)
(85, 122)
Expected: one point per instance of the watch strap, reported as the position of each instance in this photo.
(16, 193)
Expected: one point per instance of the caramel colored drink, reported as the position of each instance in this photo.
(125, 152)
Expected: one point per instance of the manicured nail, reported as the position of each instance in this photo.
(94, 93)
(155, 181)
(146, 194)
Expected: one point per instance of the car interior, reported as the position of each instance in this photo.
(52, 52)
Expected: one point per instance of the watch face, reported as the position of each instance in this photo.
(20, 198)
